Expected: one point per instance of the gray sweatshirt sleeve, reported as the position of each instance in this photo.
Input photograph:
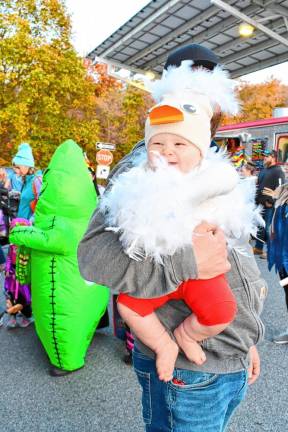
(102, 260)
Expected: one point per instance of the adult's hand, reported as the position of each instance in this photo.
(210, 249)
(269, 192)
(254, 367)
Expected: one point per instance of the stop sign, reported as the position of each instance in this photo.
(104, 157)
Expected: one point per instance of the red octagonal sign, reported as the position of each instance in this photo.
(104, 157)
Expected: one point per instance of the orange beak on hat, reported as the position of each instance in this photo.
(165, 114)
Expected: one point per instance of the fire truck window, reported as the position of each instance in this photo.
(282, 149)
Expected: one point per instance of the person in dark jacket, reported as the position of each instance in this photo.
(270, 177)
(277, 247)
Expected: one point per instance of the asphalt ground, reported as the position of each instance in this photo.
(105, 397)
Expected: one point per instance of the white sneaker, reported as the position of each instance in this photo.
(281, 338)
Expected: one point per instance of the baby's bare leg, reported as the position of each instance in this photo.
(190, 332)
(152, 333)
(185, 339)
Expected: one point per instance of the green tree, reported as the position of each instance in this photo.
(46, 95)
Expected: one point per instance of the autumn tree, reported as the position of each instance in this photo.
(121, 110)
(258, 100)
(45, 93)
(135, 106)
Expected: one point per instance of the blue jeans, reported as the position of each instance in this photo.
(192, 402)
(264, 232)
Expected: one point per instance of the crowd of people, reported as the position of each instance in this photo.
(171, 239)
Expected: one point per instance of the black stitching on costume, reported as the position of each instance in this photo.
(29, 231)
(52, 223)
(42, 190)
(53, 317)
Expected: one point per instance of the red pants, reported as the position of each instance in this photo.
(211, 300)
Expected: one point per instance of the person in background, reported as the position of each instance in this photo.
(24, 166)
(248, 171)
(19, 312)
(4, 179)
(277, 246)
(271, 176)
(4, 188)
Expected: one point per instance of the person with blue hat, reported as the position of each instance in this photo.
(24, 166)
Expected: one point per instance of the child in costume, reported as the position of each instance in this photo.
(17, 282)
(139, 207)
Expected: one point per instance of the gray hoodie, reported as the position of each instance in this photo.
(102, 260)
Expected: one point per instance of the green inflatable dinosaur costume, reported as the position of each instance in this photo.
(66, 309)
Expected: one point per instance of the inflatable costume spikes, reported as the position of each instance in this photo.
(66, 309)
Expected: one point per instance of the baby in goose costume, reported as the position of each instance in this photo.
(155, 211)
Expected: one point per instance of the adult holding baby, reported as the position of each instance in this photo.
(201, 395)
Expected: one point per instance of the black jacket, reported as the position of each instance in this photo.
(270, 177)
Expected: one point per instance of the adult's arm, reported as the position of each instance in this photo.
(102, 259)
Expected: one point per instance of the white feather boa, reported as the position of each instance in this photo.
(156, 211)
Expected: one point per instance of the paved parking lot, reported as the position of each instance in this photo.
(104, 396)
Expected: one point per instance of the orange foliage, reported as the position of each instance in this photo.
(258, 100)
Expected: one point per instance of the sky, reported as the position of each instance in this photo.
(95, 20)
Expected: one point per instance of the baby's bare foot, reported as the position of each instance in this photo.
(191, 348)
(166, 356)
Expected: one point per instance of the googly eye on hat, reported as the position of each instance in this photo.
(189, 108)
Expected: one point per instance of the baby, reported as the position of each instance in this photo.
(177, 136)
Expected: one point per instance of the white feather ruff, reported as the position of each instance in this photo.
(156, 211)
(216, 85)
